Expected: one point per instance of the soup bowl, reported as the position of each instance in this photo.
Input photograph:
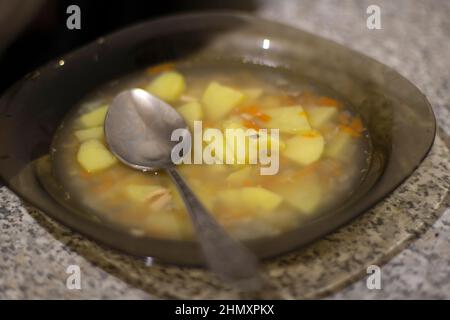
(397, 115)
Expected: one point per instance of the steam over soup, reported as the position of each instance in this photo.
(323, 151)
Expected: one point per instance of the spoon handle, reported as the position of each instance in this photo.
(229, 259)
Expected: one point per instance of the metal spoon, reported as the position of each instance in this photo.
(138, 129)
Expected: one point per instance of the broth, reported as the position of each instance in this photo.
(324, 152)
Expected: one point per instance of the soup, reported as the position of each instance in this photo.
(323, 151)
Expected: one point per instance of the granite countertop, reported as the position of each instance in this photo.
(36, 251)
(415, 41)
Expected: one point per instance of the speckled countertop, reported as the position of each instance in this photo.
(414, 40)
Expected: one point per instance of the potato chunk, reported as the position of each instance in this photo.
(219, 100)
(261, 198)
(240, 176)
(93, 156)
(288, 119)
(238, 148)
(191, 112)
(305, 148)
(304, 195)
(253, 198)
(94, 118)
(318, 116)
(90, 133)
(168, 86)
(246, 147)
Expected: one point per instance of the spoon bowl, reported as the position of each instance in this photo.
(138, 129)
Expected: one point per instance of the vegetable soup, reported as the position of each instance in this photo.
(324, 151)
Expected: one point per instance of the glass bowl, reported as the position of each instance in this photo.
(398, 116)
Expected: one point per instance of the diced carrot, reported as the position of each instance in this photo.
(167, 66)
(251, 124)
(256, 112)
(207, 124)
(263, 117)
(346, 129)
(357, 125)
(352, 126)
(325, 101)
(240, 110)
(350, 131)
(251, 109)
(344, 118)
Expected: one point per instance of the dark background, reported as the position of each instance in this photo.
(47, 37)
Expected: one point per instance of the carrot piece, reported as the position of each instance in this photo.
(325, 101)
(207, 124)
(264, 117)
(251, 124)
(256, 112)
(252, 109)
(344, 118)
(167, 66)
(346, 129)
(354, 126)
(357, 125)
(350, 131)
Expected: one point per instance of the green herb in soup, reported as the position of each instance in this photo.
(323, 151)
